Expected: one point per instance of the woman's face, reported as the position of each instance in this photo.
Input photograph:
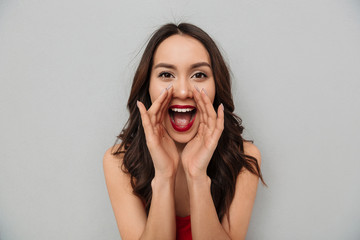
(184, 62)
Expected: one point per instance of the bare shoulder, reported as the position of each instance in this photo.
(251, 150)
(115, 177)
(237, 220)
(112, 164)
(128, 209)
(110, 158)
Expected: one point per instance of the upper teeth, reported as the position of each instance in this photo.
(182, 109)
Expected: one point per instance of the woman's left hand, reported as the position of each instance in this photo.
(198, 152)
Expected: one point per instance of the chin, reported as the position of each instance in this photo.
(182, 137)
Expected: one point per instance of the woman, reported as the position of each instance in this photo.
(182, 170)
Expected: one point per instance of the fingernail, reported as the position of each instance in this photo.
(204, 91)
(137, 103)
(168, 87)
(222, 106)
(197, 89)
(162, 91)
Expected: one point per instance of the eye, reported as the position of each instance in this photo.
(165, 75)
(199, 75)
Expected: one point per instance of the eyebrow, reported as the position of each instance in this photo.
(195, 65)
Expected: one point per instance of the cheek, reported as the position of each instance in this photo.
(155, 90)
(211, 94)
(209, 86)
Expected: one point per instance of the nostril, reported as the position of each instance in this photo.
(182, 89)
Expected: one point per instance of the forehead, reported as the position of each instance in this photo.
(181, 49)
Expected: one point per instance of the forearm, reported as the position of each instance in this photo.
(204, 220)
(160, 223)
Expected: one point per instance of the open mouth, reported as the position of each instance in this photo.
(182, 117)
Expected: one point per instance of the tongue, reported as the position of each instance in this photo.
(182, 119)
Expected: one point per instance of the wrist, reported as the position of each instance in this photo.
(161, 180)
(167, 170)
(195, 173)
(165, 173)
(198, 179)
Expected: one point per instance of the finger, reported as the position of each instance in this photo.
(219, 122)
(156, 105)
(145, 119)
(209, 109)
(164, 106)
(199, 112)
(201, 129)
(200, 106)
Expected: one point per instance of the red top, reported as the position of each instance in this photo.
(183, 228)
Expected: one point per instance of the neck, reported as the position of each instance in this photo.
(180, 147)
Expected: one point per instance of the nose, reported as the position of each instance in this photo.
(182, 88)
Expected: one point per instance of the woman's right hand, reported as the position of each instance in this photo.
(161, 147)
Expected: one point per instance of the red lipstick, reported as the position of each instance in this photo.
(182, 109)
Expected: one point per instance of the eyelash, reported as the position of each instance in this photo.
(161, 75)
(203, 75)
(169, 75)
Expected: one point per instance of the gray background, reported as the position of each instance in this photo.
(65, 71)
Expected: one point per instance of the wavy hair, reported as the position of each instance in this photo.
(228, 158)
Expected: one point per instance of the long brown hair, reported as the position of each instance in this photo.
(229, 157)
